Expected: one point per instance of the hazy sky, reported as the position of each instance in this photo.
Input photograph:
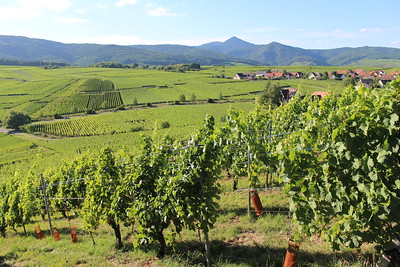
(306, 24)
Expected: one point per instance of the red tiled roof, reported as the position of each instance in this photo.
(322, 94)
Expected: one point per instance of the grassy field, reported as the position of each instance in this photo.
(238, 239)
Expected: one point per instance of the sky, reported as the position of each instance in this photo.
(308, 24)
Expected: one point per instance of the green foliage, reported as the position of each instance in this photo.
(146, 184)
(16, 119)
(103, 202)
(182, 98)
(349, 81)
(341, 170)
(165, 125)
(198, 171)
(113, 65)
(271, 96)
(137, 128)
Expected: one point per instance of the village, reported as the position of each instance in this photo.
(367, 78)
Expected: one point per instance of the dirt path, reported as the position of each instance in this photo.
(19, 133)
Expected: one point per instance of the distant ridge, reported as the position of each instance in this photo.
(276, 54)
(233, 51)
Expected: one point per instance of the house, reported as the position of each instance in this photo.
(297, 75)
(383, 80)
(250, 75)
(394, 74)
(289, 75)
(360, 72)
(288, 93)
(261, 73)
(314, 76)
(269, 76)
(366, 82)
(239, 76)
(319, 94)
(279, 75)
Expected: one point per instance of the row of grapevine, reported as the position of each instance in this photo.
(80, 102)
(163, 186)
(95, 85)
(88, 126)
(338, 159)
(104, 100)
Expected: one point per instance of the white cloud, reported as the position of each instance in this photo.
(70, 20)
(378, 30)
(18, 13)
(160, 11)
(55, 5)
(80, 10)
(122, 3)
(101, 6)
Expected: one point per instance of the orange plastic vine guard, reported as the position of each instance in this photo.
(74, 237)
(291, 255)
(56, 234)
(255, 199)
(39, 232)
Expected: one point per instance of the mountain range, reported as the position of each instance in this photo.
(233, 51)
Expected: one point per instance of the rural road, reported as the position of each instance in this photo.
(10, 131)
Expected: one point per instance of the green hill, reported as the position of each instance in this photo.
(233, 51)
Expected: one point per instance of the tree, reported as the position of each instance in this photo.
(182, 98)
(271, 96)
(15, 119)
(349, 81)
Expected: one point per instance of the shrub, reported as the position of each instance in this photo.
(137, 128)
(149, 104)
(90, 111)
(210, 100)
(165, 124)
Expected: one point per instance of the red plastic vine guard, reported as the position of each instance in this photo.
(255, 199)
(56, 234)
(291, 255)
(74, 237)
(39, 232)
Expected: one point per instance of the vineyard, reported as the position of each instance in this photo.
(92, 94)
(337, 160)
(145, 119)
(42, 93)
